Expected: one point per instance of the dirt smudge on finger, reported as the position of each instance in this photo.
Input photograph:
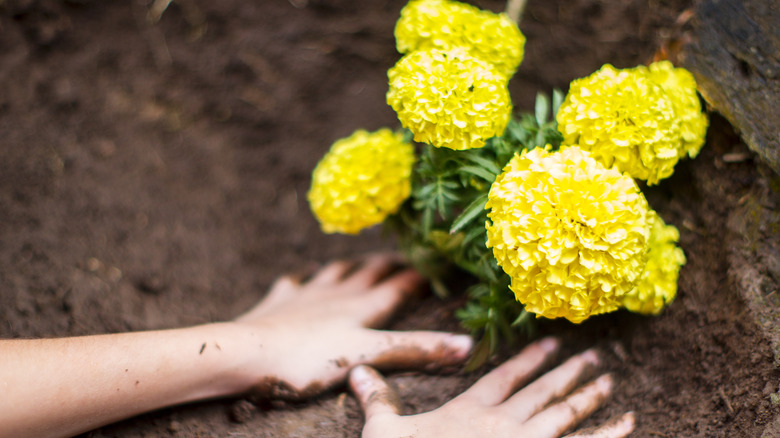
(274, 388)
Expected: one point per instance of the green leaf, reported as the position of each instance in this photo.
(440, 198)
(480, 172)
(427, 222)
(439, 288)
(542, 108)
(492, 332)
(483, 162)
(517, 132)
(424, 191)
(475, 233)
(478, 290)
(540, 141)
(506, 330)
(444, 241)
(448, 184)
(484, 266)
(469, 214)
(557, 98)
(479, 355)
(523, 318)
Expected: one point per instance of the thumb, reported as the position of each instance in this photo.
(374, 394)
(427, 350)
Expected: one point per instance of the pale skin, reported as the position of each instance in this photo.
(498, 405)
(301, 339)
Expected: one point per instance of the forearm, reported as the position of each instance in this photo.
(61, 387)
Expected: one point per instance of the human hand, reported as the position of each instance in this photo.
(494, 407)
(311, 334)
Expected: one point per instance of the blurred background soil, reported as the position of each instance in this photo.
(154, 168)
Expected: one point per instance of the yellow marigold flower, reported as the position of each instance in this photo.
(443, 24)
(361, 180)
(624, 119)
(570, 233)
(680, 86)
(449, 98)
(657, 286)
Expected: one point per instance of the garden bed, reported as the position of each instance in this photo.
(153, 175)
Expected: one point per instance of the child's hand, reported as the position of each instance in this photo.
(546, 407)
(307, 336)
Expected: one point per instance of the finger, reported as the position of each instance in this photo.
(616, 428)
(375, 268)
(500, 383)
(551, 386)
(566, 414)
(379, 304)
(374, 394)
(415, 349)
(281, 290)
(331, 273)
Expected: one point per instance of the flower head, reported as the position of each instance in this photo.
(627, 119)
(361, 180)
(657, 286)
(680, 87)
(570, 233)
(443, 24)
(449, 98)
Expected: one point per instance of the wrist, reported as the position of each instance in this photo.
(234, 350)
(222, 359)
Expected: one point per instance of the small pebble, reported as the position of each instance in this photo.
(241, 411)
(151, 284)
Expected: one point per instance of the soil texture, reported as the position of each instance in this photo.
(154, 168)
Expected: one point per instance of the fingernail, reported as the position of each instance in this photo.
(360, 377)
(462, 344)
(604, 383)
(591, 356)
(549, 344)
(629, 419)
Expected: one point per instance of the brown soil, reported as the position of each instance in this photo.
(153, 175)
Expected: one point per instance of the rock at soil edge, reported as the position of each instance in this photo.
(734, 54)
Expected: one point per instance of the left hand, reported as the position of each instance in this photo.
(309, 335)
(301, 339)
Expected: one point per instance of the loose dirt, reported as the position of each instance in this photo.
(153, 175)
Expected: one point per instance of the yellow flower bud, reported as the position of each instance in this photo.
(570, 233)
(361, 180)
(680, 86)
(657, 286)
(443, 24)
(449, 98)
(640, 120)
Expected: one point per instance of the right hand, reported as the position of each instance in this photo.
(547, 407)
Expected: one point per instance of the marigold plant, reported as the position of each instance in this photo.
(361, 180)
(444, 24)
(540, 208)
(449, 98)
(571, 233)
(680, 87)
(657, 285)
(640, 120)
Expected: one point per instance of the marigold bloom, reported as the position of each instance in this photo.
(657, 286)
(680, 86)
(627, 119)
(443, 24)
(449, 98)
(570, 233)
(361, 180)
